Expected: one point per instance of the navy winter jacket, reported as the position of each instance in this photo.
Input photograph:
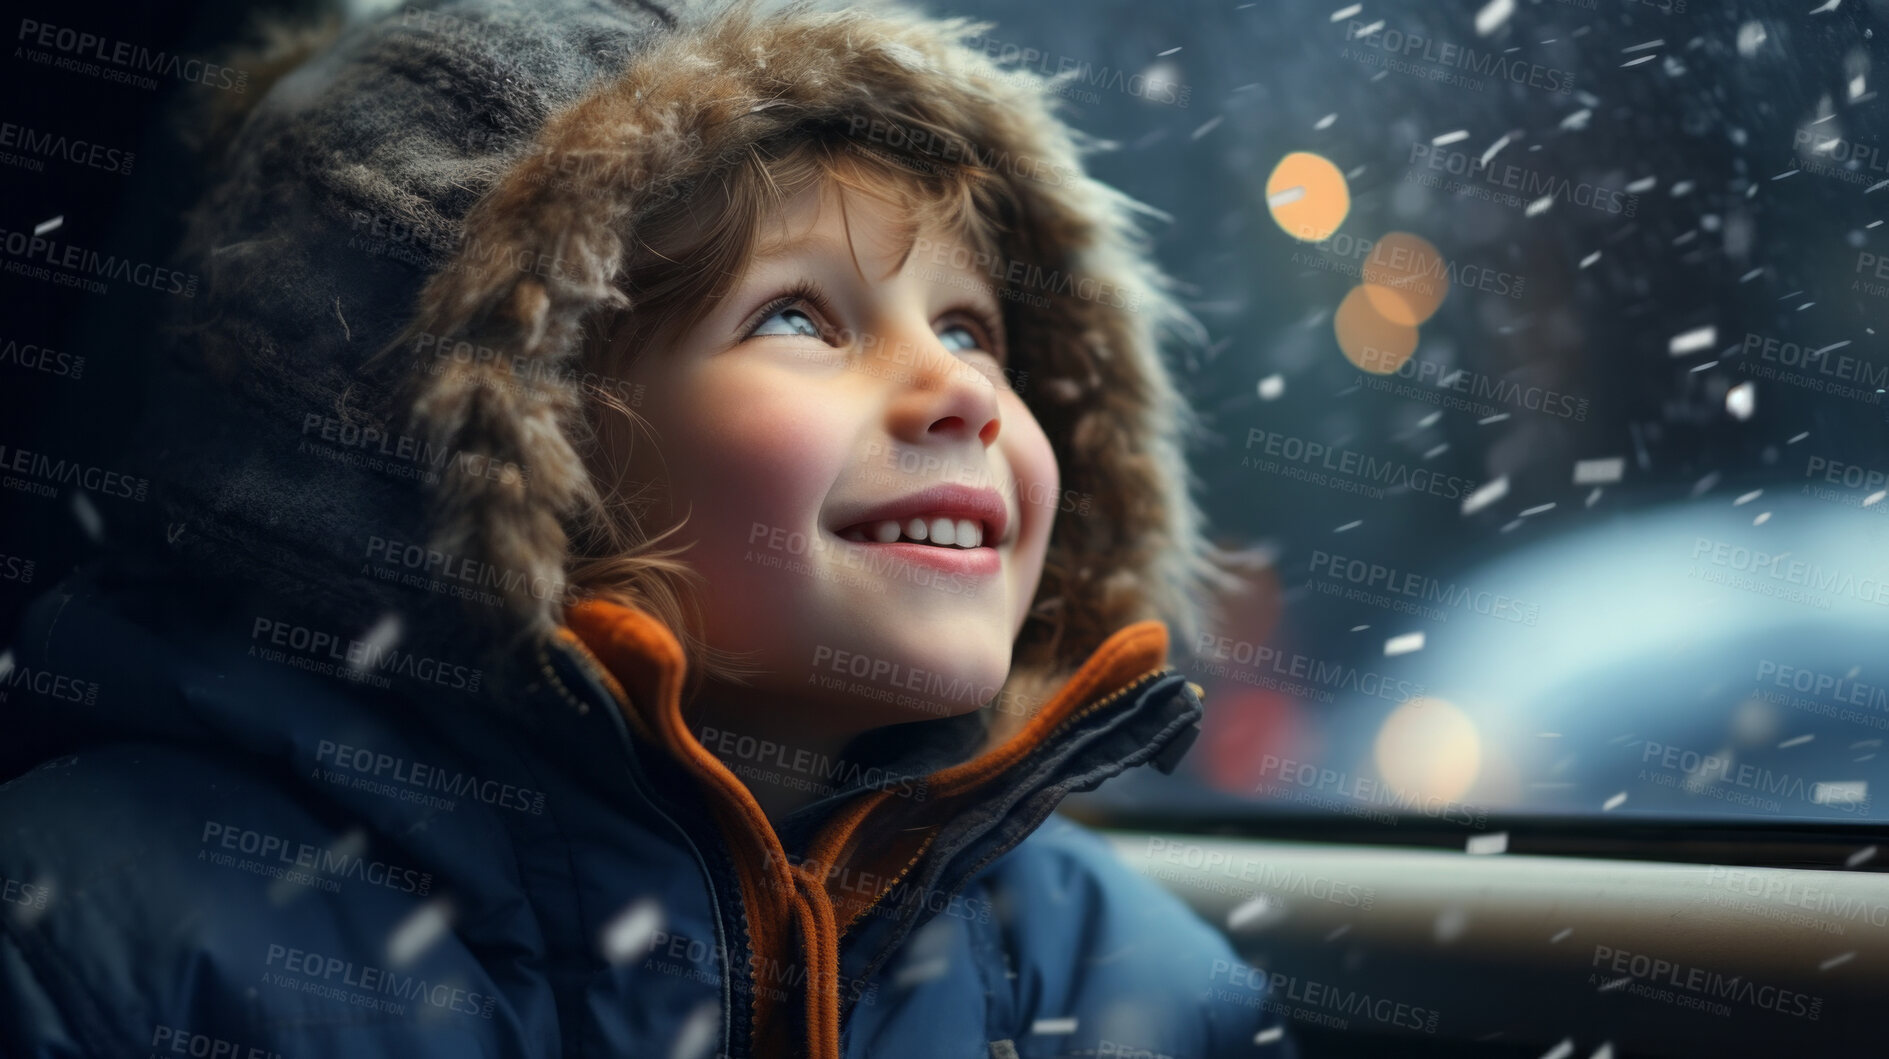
(238, 844)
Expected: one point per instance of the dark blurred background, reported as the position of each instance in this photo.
(105, 166)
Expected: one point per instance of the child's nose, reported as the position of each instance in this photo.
(942, 397)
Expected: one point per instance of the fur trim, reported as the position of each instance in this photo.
(730, 77)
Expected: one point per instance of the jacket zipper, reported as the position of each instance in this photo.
(1146, 678)
(585, 661)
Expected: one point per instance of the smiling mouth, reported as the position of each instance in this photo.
(959, 534)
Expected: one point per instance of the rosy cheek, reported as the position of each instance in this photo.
(760, 455)
(1033, 463)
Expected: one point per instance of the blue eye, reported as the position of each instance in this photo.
(970, 341)
(794, 321)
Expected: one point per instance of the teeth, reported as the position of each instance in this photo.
(944, 532)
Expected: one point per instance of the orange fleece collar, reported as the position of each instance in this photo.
(642, 665)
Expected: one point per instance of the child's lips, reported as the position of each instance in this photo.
(982, 561)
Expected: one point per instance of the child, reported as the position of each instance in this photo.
(671, 637)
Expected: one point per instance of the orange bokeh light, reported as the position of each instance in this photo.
(1411, 275)
(1308, 196)
(1374, 338)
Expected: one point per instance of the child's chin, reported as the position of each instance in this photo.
(915, 711)
(930, 683)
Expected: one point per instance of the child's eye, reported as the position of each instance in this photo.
(791, 320)
(795, 312)
(974, 333)
(968, 330)
(959, 337)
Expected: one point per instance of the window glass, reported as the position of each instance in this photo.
(1547, 372)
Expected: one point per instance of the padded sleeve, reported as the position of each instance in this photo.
(34, 1027)
(1111, 963)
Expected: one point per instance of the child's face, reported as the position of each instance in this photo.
(784, 428)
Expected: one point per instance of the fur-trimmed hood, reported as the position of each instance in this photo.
(451, 188)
